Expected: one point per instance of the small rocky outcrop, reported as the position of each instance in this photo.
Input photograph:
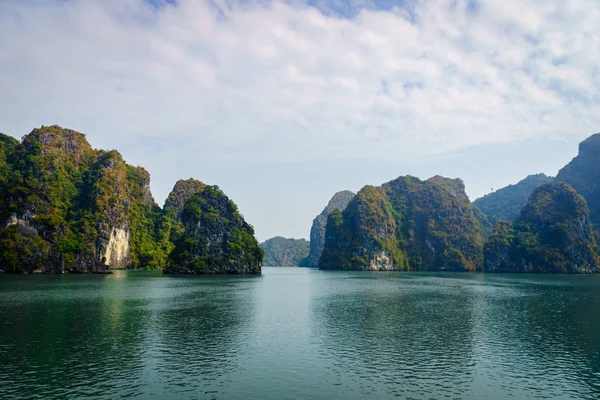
(405, 224)
(283, 252)
(553, 234)
(213, 237)
(339, 201)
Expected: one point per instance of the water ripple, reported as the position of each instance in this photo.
(296, 333)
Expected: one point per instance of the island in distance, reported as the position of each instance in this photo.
(283, 252)
(280, 251)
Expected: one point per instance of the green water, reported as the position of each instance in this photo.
(300, 334)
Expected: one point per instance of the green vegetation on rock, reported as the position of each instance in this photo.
(215, 238)
(72, 206)
(66, 207)
(485, 225)
(406, 224)
(182, 191)
(506, 203)
(553, 234)
(283, 252)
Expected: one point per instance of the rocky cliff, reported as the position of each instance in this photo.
(212, 236)
(182, 191)
(406, 224)
(283, 252)
(553, 234)
(339, 201)
(583, 174)
(506, 203)
(66, 207)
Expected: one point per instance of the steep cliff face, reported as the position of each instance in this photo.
(109, 200)
(583, 174)
(283, 252)
(182, 191)
(121, 202)
(406, 224)
(553, 234)
(506, 203)
(339, 201)
(117, 252)
(68, 207)
(215, 238)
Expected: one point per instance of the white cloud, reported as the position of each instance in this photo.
(272, 82)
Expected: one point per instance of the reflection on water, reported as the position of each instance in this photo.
(113, 336)
(298, 333)
(67, 336)
(540, 337)
(396, 336)
(475, 336)
(198, 334)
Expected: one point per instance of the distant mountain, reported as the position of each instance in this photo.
(583, 174)
(282, 252)
(506, 203)
(553, 234)
(339, 201)
(406, 224)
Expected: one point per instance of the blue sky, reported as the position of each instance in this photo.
(282, 104)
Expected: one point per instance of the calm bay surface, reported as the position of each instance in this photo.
(300, 333)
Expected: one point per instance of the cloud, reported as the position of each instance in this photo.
(238, 83)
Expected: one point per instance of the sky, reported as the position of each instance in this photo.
(283, 103)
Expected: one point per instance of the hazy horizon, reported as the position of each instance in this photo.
(282, 104)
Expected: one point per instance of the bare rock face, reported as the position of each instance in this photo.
(339, 201)
(58, 142)
(117, 254)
